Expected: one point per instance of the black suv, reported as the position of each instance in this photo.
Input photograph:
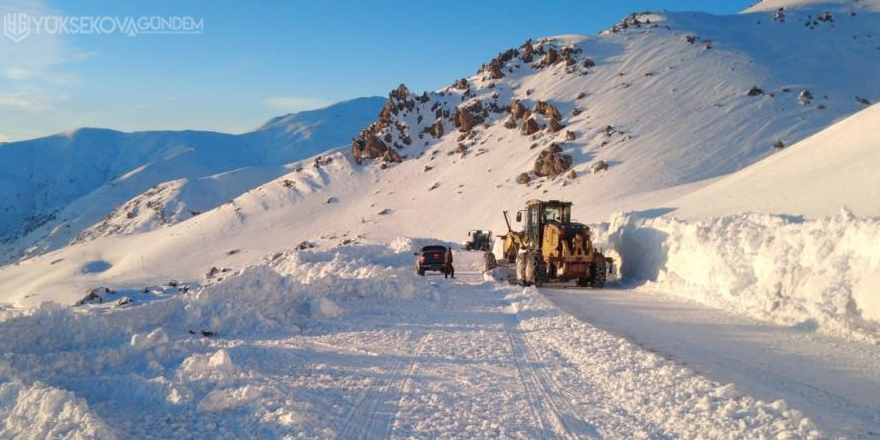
(430, 258)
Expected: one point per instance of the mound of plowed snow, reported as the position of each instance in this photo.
(818, 274)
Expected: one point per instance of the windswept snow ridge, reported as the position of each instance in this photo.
(817, 274)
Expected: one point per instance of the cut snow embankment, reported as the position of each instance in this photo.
(817, 274)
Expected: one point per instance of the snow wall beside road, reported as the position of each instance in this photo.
(816, 274)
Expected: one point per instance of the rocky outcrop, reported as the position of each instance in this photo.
(369, 143)
(465, 121)
(779, 16)
(495, 68)
(547, 110)
(551, 162)
(754, 91)
(437, 129)
(405, 120)
(528, 52)
(368, 146)
(599, 166)
(805, 97)
(553, 57)
(550, 58)
(531, 126)
(517, 109)
(554, 126)
(634, 20)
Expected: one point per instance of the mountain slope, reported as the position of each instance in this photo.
(51, 189)
(844, 6)
(834, 168)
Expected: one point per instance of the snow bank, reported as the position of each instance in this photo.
(299, 286)
(818, 274)
(285, 293)
(157, 353)
(39, 411)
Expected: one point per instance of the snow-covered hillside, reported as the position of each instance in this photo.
(663, 113)
(847, 6)
(52, 189)
(814, 178)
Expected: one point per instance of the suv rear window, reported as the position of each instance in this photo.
(433, 249)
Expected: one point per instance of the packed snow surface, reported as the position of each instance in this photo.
(834, 382)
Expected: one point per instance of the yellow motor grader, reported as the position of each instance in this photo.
(552, 248)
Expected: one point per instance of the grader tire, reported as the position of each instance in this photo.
(599, 274)
(529, 269)
(539, 270)
(489, 262)
(521, 277)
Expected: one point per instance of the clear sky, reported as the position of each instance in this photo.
(258, 59)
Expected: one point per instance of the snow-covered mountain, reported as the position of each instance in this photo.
(662, 99)
(92, 182)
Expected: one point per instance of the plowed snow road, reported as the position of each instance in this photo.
(487, 360)
(469, 360)
(835, 382)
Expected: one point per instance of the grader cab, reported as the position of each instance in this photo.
(552, 248)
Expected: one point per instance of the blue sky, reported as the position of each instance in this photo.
(256, 60)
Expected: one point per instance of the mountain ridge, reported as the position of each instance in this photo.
(41, 178)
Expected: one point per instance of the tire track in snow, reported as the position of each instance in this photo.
(549, 409)
(603, 410)
(374, 413)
